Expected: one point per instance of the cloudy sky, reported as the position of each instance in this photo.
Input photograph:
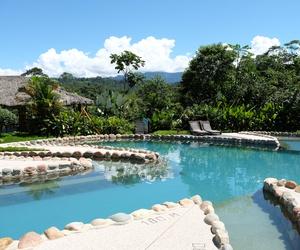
(78, 36)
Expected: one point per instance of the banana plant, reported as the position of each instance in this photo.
(111, 103)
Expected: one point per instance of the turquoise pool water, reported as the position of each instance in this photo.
(230, 177)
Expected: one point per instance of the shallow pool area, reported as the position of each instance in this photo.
(230, 177)
(290, 143)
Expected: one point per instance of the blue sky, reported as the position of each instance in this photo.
(30, 28)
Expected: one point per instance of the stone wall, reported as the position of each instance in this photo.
(287, 193)
(216, 140)
(62, 157)
(19, 169)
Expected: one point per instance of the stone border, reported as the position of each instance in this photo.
(287, 193)
(216, 140)
(69, 159)
(32, 239)
(105, 153)
(114, 153)
(92, 151)
(275, 133)
(36, 167)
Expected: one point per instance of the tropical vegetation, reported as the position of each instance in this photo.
(226, 84)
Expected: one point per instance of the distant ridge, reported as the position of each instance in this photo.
(168, 77)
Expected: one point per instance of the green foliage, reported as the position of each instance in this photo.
(44, 103)
(74, 123)
(160, 102)
(69, 122)
(166, 119)
(134, 79)
(241, 92)
(226, 84)
(16, 136)
(19, 149)
(209, 75)
(7, 118)
(157, 95)
(116, 125)
(34, 72)
(89, 87)
(235, 118)
(172, 132)
(111, 103)
(127, 62)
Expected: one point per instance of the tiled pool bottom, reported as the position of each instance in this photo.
(230, 177)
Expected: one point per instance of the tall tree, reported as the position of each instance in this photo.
(127, 62)
(208, 74)
(34, 72)
(156, 95)
(65, 77)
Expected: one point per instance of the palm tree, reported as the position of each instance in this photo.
(44, 103)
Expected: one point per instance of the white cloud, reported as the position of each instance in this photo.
(261, 44)
(9, 72)
(155, 52)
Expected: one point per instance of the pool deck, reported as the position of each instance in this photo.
(244, 135)
(177, 229)
(188, 224)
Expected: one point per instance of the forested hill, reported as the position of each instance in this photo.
(91, 87)
(168, 77)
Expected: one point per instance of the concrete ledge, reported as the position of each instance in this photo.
(276, 133)
(287, 193)
(187, 224)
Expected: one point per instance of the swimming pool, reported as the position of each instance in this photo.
(230, 177)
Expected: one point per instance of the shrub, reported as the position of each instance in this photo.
(43, 105)
(115, 125)
(7, 118)
(234, 118)
(166, 119)
(74, 123)
(70, 122)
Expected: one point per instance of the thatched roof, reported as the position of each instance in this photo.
(11, 94)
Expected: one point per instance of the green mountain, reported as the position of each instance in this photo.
(168, 77)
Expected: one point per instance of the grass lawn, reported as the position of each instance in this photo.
(18, 149)
(172, 132)
(16, 136)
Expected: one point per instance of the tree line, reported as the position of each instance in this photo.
(225, 84)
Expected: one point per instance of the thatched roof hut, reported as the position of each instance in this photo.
(11, 94)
